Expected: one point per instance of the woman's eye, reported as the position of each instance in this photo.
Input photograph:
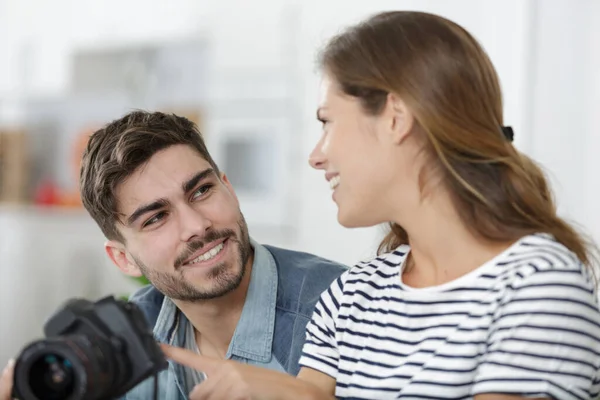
(323, 121)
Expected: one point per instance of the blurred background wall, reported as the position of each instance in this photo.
(245, 72)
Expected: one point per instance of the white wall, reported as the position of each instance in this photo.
(591, 189)
(562, 127)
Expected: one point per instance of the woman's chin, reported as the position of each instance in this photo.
(349, 219)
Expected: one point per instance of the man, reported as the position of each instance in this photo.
(169, 214)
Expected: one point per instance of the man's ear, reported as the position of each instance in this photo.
(402, 121)
(116, 252)
(229, 186)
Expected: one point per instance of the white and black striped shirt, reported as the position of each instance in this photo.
(525, 323)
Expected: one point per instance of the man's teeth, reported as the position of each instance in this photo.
(334, 182)
(208, 255)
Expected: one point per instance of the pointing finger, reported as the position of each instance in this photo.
(190, 359)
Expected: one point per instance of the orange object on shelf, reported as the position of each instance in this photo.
(78, 148)
(72, 198)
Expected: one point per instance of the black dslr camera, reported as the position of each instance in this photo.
(92, 351)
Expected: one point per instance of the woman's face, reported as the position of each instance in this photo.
(367, 159)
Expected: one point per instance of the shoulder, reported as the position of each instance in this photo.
(546, 309)
(364, 280)
(302, 277)
(541, 260)
(373, 272)
(149, 300)
(297, 264)
(299, 261)
(380, 265)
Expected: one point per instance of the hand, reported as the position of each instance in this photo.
(6, 381)
(230, 380)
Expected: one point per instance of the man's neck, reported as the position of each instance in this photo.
(215, 320)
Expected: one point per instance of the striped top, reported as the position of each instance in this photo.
(525, 323)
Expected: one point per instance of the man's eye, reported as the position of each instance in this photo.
(156, 218)
(202, 190)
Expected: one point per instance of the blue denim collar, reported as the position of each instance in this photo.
(253, 336)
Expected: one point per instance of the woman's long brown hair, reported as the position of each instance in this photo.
(451, 86)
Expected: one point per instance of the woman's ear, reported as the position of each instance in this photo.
(402, 118)
(117, 253)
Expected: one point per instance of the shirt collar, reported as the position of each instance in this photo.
(253, 336)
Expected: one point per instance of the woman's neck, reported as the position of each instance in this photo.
(443, 248)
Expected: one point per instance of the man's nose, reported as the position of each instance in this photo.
(194, 224)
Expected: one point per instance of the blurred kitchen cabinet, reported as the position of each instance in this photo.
(252, 152)
(55, 126)
(14, 166)
(155, 74)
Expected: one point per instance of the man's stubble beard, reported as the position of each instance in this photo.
(223, 277)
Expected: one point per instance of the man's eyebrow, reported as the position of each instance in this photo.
(187, 186)
(155, 205)
(191, 183)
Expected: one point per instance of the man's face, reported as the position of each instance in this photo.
(183, 227)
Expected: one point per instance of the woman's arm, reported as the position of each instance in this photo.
(493, 396)
(230, 380)
(323, 382)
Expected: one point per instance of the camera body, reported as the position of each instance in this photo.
(93, 350)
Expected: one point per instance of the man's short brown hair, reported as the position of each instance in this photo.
(118, 149)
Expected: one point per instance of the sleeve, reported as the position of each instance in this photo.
(544, 340)
(320, 351)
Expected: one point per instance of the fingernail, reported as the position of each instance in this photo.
(8, 367)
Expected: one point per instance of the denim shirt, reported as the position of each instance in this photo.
(284, 288)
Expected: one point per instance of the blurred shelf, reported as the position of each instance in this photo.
(32, 209)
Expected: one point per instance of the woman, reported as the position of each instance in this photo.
(480, 290)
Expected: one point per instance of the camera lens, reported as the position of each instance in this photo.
(52, 377)
(69, 367)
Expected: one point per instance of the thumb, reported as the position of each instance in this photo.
(190, 359)
(6, 381)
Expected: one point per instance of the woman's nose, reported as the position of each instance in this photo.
(317, 159)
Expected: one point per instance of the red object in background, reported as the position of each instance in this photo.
(71, 197)
(47, 194)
